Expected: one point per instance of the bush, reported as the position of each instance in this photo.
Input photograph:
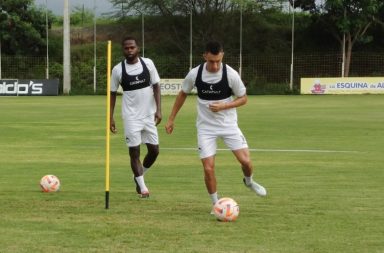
(259, 86)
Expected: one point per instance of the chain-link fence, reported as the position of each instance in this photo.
(262, 74)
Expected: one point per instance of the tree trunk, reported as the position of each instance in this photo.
(348, 54)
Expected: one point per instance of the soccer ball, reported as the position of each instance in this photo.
(226, 209)
(50, 183)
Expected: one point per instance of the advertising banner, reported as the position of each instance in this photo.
(346, 85)
(170, 86)
(29, 87)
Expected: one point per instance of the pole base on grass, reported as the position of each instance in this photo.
(107, 200)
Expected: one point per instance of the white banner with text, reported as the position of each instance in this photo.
(346, 85)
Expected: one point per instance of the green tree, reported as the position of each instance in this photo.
(22, 28)
(380, 17)
(306, 5)
(348, 21)
(184, 7)
(211, 19)
(81, 16)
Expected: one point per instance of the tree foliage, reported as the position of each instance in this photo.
(218, 19)
(22, 28)
(171, 8)
(185, 7)
(79, 16)
(307, 5)
(348, 22)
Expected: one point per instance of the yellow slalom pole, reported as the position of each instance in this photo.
(107, 131)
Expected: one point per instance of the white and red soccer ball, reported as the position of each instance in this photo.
(226, 209)
(50, 183)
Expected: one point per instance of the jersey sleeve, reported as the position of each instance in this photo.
(115, 78)
(155, 78)
(189, 81)
(235, 83)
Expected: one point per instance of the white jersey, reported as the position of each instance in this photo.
(207, 120)
(140, 103)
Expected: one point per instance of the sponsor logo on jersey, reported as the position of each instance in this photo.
(137, 81)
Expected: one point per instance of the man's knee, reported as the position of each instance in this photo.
(246, 163)
(153, 150)
(134, 152)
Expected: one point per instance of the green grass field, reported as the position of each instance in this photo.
(320, 158)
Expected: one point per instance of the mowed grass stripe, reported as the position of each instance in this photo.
(269, 150)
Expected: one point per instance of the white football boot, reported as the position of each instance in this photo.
(259, 189)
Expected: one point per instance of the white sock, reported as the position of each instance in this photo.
(140, 181)
(214, 197)
(248, 180)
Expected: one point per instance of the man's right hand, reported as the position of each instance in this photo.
(169, 127)
(112, 126)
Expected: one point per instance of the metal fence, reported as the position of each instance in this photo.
(262, 74)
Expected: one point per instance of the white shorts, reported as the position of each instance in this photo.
(233, 139)
(141, 131)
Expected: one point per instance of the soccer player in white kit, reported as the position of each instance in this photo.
(141, 108)
(216, 83)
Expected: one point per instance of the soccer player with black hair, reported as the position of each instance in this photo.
(220, 90)
(141, 108)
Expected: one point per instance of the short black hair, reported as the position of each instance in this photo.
(128, 38)
(213, 47)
